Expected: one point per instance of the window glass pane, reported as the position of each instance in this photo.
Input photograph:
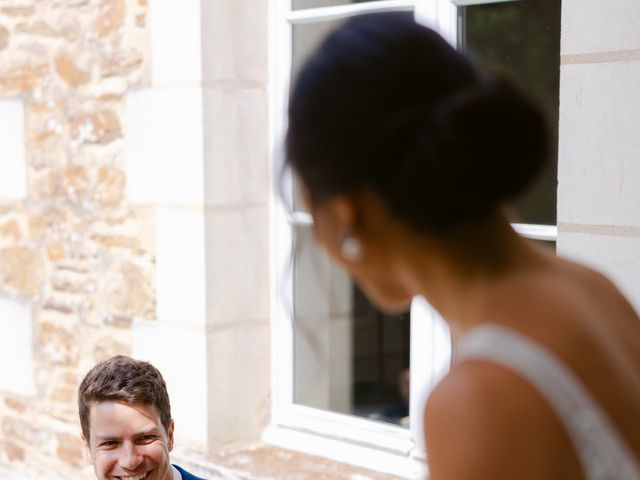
(522, 37)
(300, 4)
(348, 356)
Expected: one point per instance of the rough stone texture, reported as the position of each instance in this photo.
(21, 270)
(14, 452)
(73, 246)
(73, 74)
(99, 127)
(111, 17)
(70, 450)
(78, 250)
(18, 11)
(4, 37)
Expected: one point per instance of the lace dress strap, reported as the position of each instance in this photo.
(602, 452)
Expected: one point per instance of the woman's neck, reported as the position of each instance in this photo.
(459, 271)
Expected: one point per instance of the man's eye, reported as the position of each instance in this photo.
(146, 438)
(109, 444)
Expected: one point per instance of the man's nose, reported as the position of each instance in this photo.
(131, 457)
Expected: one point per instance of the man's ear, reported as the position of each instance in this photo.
(86, 450)
(170, 437)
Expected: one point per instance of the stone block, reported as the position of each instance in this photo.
(21, 270)
(599, 151)
(236, 146)
(18, 10)
(236, 40)
(178, 351)
(123, 64)
(23, 76)
(70, 450)
(70, 71)
(239, 379)
(16, 348)
(130, 290)
(237, 265)
(67, 28)
(18, 429)
(57, 345)
(71, 182)
(42, 223)
(163, 146)
(112, 16)
(15, 405)
(106, 347)
(13, 167)
(11, 230)
(594, 26)
(101, 127)
(180, 266)
(13, 452)
(110, 186)
(616, 256)
(176, 56)
(56, 251)
(4, 38)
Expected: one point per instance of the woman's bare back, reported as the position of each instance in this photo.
(583, 319)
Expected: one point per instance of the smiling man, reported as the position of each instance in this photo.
(126, 422)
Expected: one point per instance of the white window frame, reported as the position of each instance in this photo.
(374, 445)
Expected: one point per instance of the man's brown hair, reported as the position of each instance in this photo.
(123, 379)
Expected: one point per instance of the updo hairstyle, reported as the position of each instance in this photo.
(388, 104)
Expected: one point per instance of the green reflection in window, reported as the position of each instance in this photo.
(522, 38)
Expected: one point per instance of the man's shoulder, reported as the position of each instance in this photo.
(186, 475)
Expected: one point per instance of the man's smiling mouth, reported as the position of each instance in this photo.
(140, 476)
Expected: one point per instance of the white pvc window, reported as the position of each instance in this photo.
(312, 409)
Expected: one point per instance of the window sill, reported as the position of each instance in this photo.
(265, 462)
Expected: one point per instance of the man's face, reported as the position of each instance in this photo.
(128, 442)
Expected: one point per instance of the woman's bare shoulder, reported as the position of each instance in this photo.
(593, 289)
(485, 422)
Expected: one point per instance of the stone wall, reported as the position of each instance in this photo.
(72, 248)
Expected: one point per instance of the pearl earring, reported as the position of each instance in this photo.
(351, 248)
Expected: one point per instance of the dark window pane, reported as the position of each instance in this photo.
(523, 38)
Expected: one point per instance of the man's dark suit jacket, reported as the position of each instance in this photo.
(186, 475)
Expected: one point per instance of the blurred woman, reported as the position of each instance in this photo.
(406, 154)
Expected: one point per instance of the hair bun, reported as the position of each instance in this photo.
(498, 134)
(481, 147)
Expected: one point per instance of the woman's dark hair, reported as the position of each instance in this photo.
(388, 104)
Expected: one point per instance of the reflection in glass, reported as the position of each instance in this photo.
(348, 356)
(300, 4)
(522, 38)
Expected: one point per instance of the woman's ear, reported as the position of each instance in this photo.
(345, 209)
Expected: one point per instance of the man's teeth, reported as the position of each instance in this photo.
(135, 477)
